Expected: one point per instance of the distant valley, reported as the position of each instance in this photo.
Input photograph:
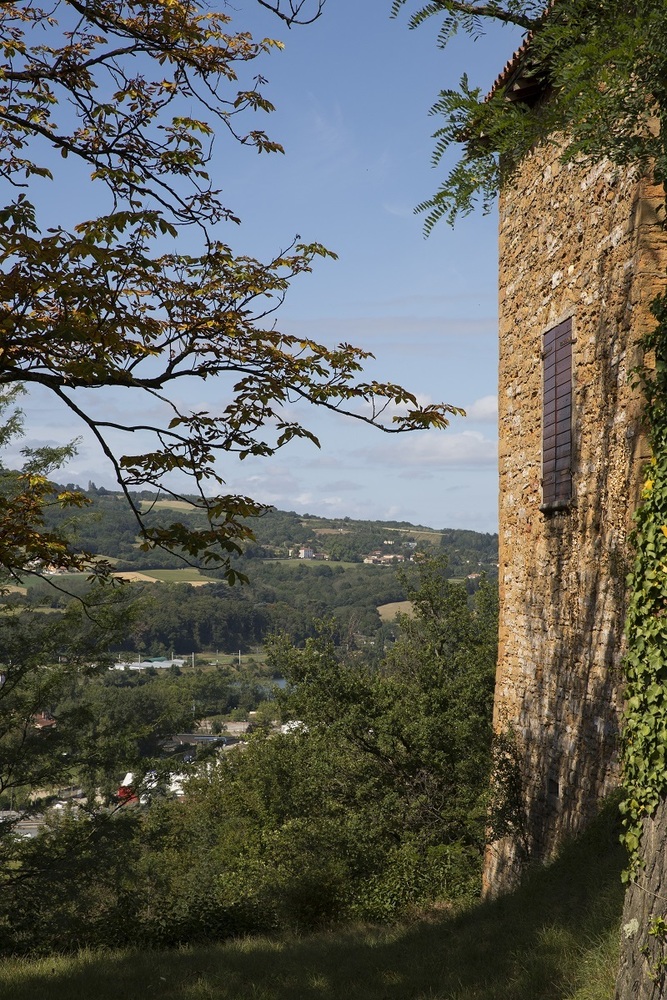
(299, 568)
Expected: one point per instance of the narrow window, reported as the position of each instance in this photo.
(557, 416)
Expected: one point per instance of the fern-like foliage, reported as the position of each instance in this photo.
(471, 16)
(601, 76)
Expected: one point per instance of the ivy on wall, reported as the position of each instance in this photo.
(645, 724)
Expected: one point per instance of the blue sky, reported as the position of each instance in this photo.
(352, 93)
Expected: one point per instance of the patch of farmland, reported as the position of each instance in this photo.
(166, 505)
(388, 612)
(188, 574)
(133, 577)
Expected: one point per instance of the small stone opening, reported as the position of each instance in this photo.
(553, 788)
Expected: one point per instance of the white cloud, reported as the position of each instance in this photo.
(442, 302)
(330, 151)
(469, 449)
(360, 329)
(485, 408)
(405, 211)
(343, 485)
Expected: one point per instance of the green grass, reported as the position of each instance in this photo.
(388, 612)
(189, 574)
(556, 938)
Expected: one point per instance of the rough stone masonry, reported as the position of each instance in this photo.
(585, 245)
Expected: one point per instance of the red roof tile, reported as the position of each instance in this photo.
(512, 66)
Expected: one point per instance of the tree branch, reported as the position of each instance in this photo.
(492, 11)
(294, 15)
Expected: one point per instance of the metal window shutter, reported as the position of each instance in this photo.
(557, 414)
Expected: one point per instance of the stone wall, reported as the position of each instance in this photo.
(586, 244)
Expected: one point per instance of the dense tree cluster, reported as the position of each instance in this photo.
(371, 801)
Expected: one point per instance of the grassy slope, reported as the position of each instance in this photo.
(189, 574)
(388, 612)
(553, 939)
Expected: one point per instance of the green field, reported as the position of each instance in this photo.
(166, 505)
(388, 612)
(419, 534)
(189, 574)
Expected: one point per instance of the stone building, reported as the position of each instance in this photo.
(582, 254)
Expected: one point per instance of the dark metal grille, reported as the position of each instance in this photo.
(557, 415)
